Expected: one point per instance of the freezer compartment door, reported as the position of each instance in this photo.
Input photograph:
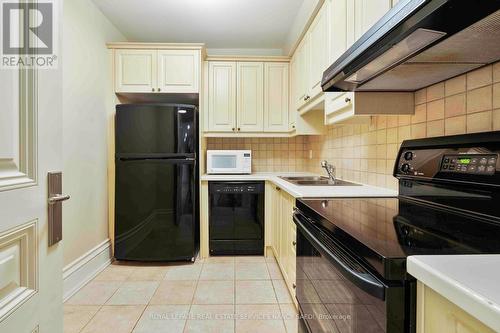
(155, 130)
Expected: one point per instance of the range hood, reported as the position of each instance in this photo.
(418, 43)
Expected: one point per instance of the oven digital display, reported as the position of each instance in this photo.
(480, 164)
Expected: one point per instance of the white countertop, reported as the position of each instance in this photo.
(469, 281)
(307, 191)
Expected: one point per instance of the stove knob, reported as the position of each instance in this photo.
(408, 156)
(405, 168)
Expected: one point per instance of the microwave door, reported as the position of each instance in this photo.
(223, 163)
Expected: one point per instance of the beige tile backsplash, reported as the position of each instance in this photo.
(366, 153)
(269, 154)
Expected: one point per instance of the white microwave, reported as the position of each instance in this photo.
(229, 161)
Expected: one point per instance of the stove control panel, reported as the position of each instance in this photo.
(448, 163)
(470, 164)
(468, 158)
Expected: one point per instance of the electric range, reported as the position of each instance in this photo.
(351, 252)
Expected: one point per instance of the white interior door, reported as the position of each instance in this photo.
(30, 147)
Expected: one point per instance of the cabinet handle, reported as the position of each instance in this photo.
(347, 100)
(294, 243)
(159, 89)
(294, 286)
(153, 89)
(277, 188)
(233, 129)
(239, 129)
(293, 126)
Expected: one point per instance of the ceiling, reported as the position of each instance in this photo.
(220, 24)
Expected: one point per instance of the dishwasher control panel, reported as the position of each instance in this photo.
(236, 187)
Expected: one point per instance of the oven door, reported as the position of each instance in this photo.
(336, 293)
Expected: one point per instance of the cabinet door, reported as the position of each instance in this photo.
(338, 28)
(436, 314)
(301, 78)
(135, 71)
(276, 97)
(179, 71)
(284, 248)
(250, 92)
(367, 13)
(222, 96)
(292, 110)
(276, 222)
(319, 49)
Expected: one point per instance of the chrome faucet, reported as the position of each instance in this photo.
(330, 169)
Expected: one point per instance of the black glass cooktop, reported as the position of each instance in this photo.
(384, 231)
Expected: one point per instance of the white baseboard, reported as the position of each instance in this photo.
(85, 268)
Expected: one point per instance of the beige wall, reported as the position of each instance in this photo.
(269, 154)
(365, 153)
(87, 98)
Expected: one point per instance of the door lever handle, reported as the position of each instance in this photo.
(58, 198)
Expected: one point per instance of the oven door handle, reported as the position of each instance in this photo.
(365, 281)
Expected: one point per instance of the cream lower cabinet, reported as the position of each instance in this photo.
(435, 314)
(283, 234)
(248, 97)
(157, 71)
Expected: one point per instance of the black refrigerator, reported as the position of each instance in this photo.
(157, 187)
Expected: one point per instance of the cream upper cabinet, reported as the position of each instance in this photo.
(178, 71)
(135, 70)
(319, 50)
(140, 70)
(250, 96)
(338, 28)
(300, 73)
(292, 114)
(349, 21)
(222, 96)
(311, 58)
(276, 97)
(367, 13)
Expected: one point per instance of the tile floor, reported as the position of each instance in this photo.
(219, 294)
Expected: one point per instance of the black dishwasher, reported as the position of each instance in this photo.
(236, 223)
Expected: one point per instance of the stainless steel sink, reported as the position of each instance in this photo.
(317, 181)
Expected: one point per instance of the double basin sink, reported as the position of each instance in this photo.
(317, 181)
